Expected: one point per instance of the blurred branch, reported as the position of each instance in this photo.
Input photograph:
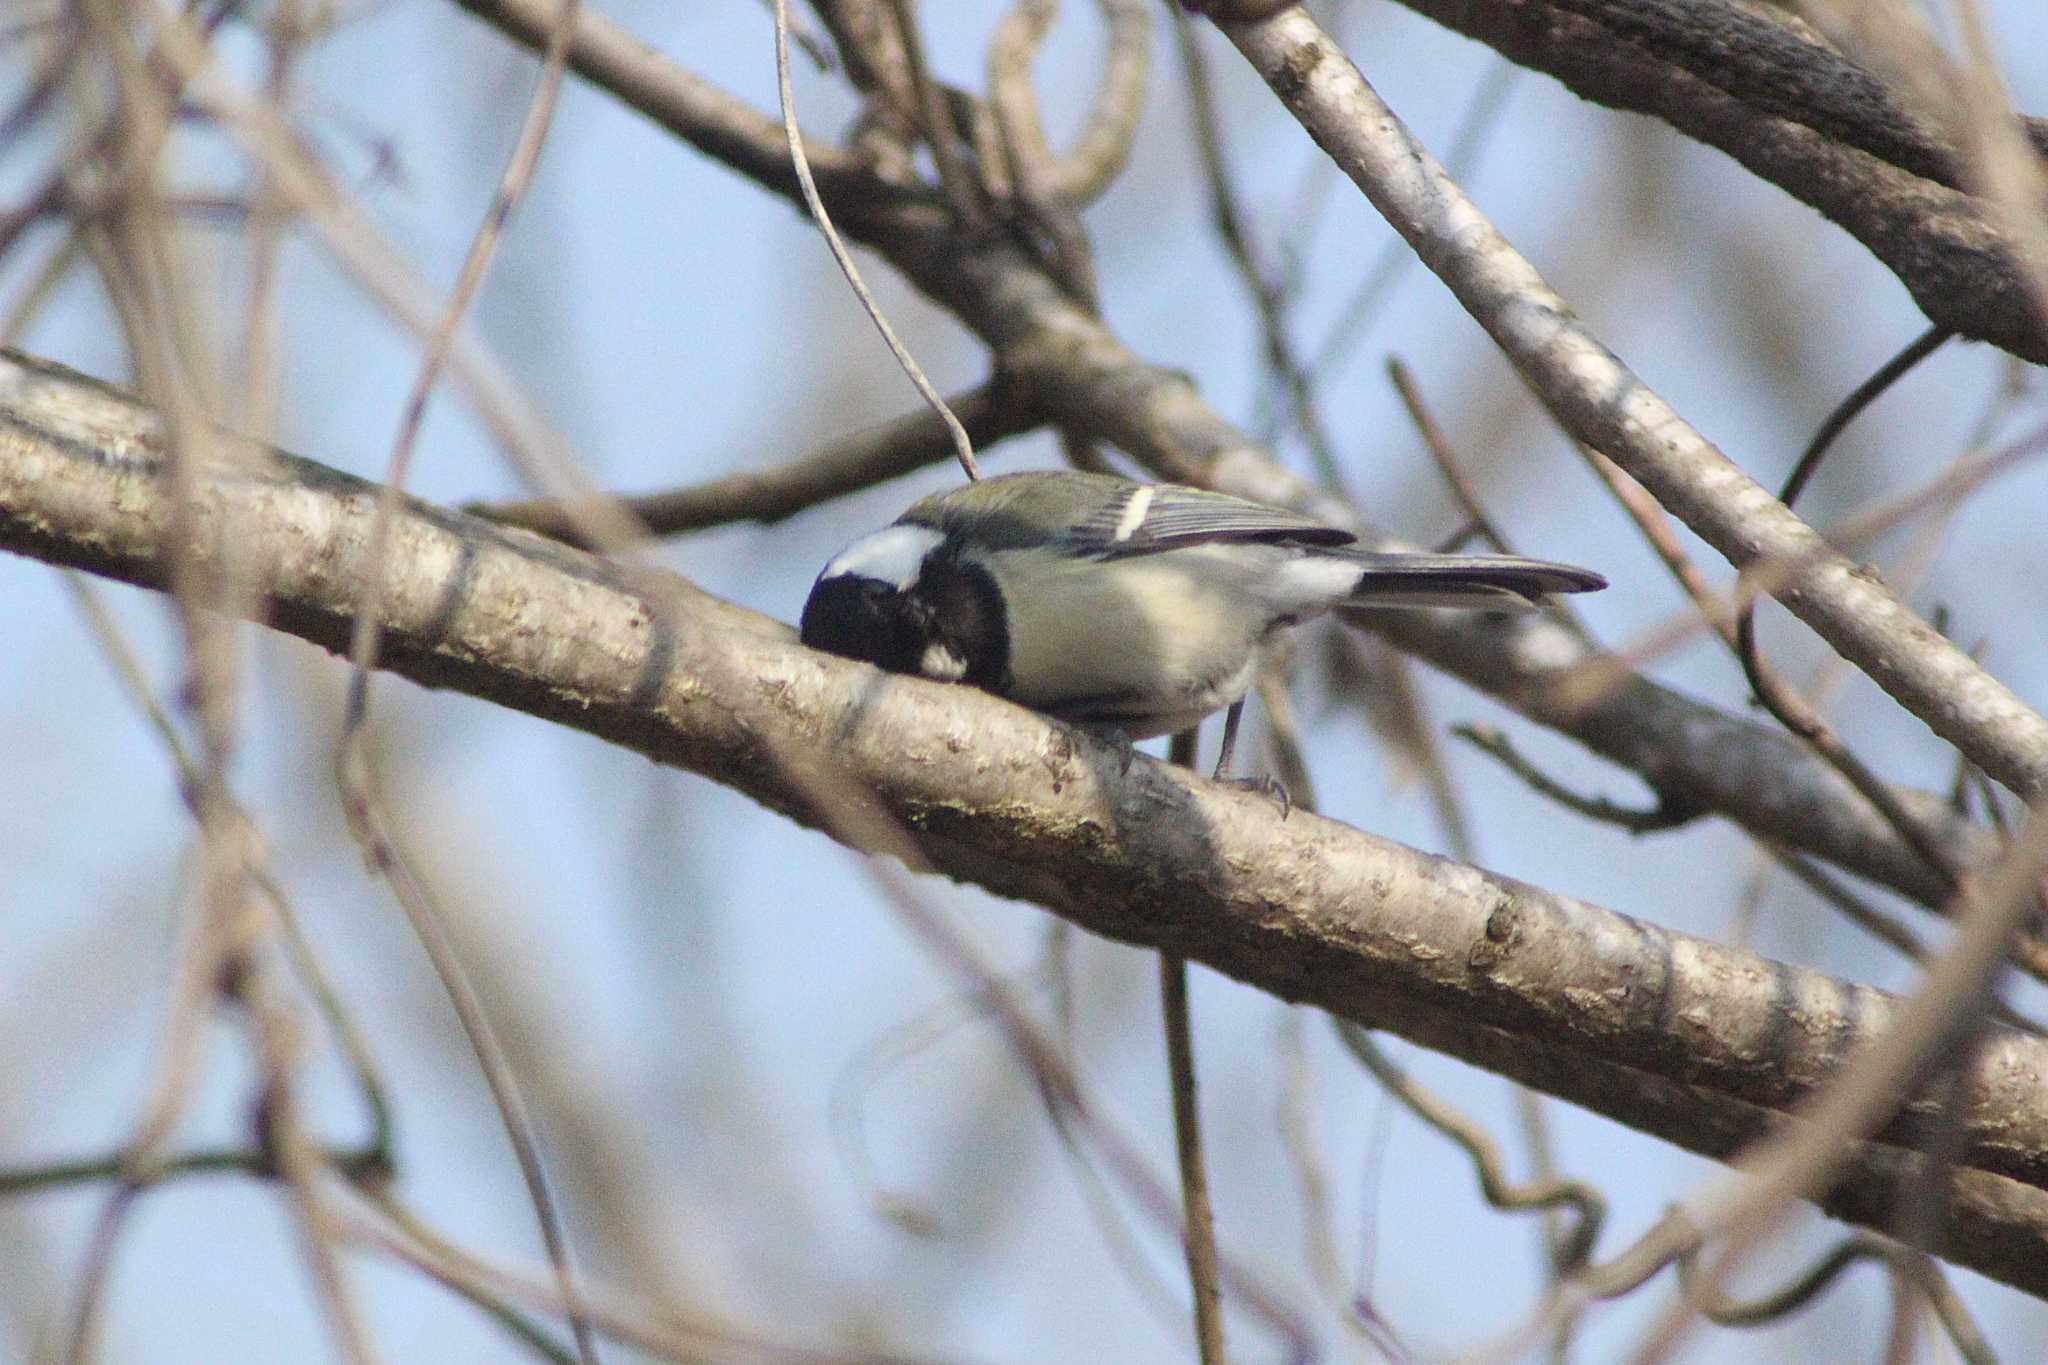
(663, 1329)
(1541, 1194)
(850, 463)
(356, 766)
(1696, 1042)
(1494, 742)
(1198, 1218)
(1796, 113)
(1104, 143)
(1463, 492)
(1234, 232)
(1074, 372)
(1818, 1278)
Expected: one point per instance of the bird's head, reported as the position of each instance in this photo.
(866, 604)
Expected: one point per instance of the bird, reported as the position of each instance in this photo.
(1121, 606)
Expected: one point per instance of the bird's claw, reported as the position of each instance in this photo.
(1117, 739)
(1265, 786)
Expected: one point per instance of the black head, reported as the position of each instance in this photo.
(867, 619)
(900, 600)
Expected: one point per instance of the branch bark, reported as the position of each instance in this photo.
(1701, 1043)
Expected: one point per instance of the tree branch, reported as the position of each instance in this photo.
(1686, 1038)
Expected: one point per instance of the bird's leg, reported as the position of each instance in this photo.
(1269, 785)
(1231, 718)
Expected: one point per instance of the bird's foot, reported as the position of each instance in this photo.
(1264, 786)
(1115, 738)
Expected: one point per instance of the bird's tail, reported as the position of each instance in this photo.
(1475, 582)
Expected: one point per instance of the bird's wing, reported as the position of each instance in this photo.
(1105, 516)
(1150, 517)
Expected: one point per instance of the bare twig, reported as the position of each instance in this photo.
(799, 159)
(1198, 1217)
(1666, 814)
(372, 832)
(1585, 1201)
(669, 1331)
(1447, 462)
(1793, 711)
(1199, 1220)
(1816, 1280)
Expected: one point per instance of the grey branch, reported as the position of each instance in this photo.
(1700, 1043)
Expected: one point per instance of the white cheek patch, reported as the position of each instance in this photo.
(891, 555)
(1134, 513)
(941, 664)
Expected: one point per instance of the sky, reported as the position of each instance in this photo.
(695, 992)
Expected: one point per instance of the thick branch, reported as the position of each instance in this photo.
(1076, 371)
(1793, 112)
(1681, 1036)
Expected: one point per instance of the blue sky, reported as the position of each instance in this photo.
(685, 978)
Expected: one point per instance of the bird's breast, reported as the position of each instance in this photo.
(1150, 643)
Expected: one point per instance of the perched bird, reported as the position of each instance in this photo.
(1131, 606)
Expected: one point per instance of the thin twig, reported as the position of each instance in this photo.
(1793, 711)
(372, 832)
(1200, 1233)
(799, 160)
(1446, 457)
(1198, 1218)
(1666, 814)
(1727, 1311)
(1484, 1153)
(668, 1330)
